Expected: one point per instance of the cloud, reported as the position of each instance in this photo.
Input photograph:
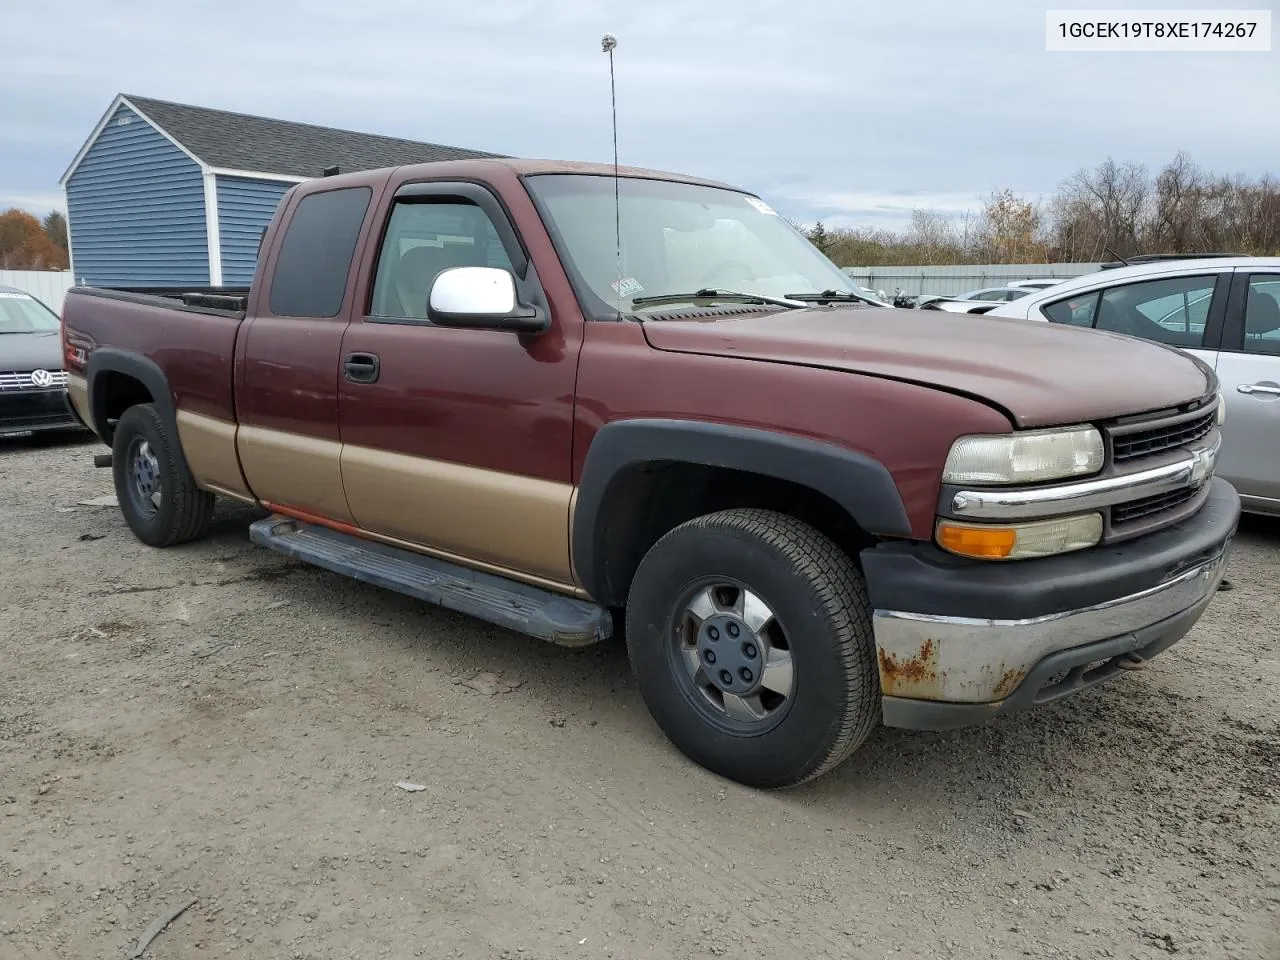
(846, 111)
(37, 203)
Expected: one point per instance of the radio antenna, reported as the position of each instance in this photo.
(607, 45)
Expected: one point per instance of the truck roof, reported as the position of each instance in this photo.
(526, 167)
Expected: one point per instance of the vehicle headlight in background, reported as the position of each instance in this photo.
(1026, 457)
(1020, 541)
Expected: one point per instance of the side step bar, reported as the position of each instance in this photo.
(562, 620)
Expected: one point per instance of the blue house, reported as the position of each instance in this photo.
(166, 194)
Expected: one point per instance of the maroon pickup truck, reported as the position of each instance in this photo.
(484, 384)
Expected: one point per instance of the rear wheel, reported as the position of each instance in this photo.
(750, 636)
(157, 494)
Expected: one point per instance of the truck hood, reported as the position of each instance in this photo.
(30, 351)
(1040, 374)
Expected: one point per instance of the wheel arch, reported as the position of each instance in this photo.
(642, 477)
(118, 379)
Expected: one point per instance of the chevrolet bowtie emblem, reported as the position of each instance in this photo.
(1202, 465)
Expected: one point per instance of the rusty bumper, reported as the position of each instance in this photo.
(939, 670)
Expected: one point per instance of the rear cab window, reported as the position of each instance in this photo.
(311, 270)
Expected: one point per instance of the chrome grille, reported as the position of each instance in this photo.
(22, 380)
(1131, 441)
(1148, 506)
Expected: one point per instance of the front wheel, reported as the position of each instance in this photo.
(749, 633)
(157, 494)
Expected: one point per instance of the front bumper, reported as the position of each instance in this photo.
(34, 411)
(960, 641)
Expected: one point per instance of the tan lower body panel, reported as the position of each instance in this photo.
(209, 444)
(78, 395)
(294, 470)
(506, 520)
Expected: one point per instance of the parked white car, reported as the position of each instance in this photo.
(1036, 284)
(972, 301)
(1225, 310)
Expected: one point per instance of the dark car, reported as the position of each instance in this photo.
(33, 385)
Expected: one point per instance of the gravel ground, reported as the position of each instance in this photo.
(220, 723)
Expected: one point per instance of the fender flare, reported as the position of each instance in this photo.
(859, 484)
(145, 371)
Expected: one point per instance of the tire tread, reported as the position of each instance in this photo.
(192, 508)
(842, 593)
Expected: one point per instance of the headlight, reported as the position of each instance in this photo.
(1020, 541)
(1027, 457)
(1222, 409)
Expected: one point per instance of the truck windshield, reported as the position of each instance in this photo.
(677, 238)
(20, 313)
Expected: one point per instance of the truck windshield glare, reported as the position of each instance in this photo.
(675, 237)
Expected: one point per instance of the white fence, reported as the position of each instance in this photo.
(51, 286)
(957, 278)
(47, 286)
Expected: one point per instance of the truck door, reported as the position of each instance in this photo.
(288, 357)
(457, 441)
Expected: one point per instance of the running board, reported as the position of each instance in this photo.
(559, 619)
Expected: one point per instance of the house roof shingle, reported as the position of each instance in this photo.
(238, 141)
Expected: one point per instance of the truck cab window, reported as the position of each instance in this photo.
(315, 256)
(424, 239)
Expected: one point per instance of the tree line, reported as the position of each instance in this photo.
(30, 244)
(1114, 210)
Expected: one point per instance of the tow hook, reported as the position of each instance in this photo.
(1131, 661)
(102, 459)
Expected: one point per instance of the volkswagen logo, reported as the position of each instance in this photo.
(42, 378)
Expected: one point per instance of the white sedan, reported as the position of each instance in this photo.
(1225, 310)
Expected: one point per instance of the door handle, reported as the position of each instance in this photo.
(1259, 388)
(361, 367)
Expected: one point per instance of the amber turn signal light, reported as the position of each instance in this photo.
(989, 543)
(1020, 541)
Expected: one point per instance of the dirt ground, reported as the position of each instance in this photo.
(220, 723)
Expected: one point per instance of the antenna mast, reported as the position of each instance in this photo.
(607, 45)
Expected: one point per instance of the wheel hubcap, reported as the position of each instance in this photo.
(144, 474)
(735, 656)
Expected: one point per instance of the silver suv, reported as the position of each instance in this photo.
(1224, 310)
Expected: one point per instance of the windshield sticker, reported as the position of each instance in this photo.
(626, 287)
(762, 206)
(5, 295)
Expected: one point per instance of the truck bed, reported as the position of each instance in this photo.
(222, 300)
(180, 342)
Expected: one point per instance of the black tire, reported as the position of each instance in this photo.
(818, 599)
(184, 511)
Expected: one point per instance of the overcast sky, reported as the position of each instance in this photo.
(854, 113)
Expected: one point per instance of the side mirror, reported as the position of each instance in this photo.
(481, 297)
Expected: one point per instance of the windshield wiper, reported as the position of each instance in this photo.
(829, 295)
(708, 293)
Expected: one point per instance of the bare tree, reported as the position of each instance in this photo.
(1176, 225)
(1105, 207)
(1009, 230)
(1116, 207)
